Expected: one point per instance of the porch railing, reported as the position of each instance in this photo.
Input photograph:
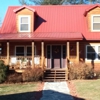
(24, 61)
(21, 61)
(3, 57)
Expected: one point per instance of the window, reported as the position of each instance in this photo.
(29, 51)
(98, 52)
(93, 52)
(20, 51)
(95, 22)
(24, 23)
(24, 51)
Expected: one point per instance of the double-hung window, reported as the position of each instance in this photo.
(20, 51)
(93, 52)
(29, 51)
(95, 23)
(24, 23)
(24, 50)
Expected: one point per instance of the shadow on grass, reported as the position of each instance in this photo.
(36, 95)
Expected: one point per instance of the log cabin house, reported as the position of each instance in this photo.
(51, 35)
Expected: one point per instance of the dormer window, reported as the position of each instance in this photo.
(95, 23)
(24, 23)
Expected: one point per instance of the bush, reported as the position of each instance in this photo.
(80, 71)
(14, 77)
(34, 74)
(3, 71)
(97, 75)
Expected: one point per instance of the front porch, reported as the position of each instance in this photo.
(47, 54)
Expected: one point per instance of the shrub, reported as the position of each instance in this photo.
(3, 71)
(97, 74)
(80, 71)
(14, 77)
(34, 74)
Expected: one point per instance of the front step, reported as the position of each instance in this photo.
(55, 75)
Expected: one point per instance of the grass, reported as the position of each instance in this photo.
(25, 91)
(88, 89)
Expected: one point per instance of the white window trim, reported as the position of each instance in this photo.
(96, 50)
(25, 49)
(19, 18)
(92, 23)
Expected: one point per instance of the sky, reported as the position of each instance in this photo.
(4, 6)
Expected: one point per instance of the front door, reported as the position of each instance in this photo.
(56, 56)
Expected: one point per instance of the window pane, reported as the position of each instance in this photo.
(98, 55)
(98, 48)
(24, 27)
(96, 18)
(91, 56)
(29, 51)
(91, 49)
(96, 26)
(20, 51)
(24, 19)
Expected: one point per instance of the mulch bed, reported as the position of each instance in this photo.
(72, 88)
(38, 94)
(73, 91)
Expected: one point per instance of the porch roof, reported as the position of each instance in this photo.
(41, 36)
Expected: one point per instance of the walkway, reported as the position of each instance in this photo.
(56, 91)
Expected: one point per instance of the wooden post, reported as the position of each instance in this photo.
(77, 43)
(42, 54)
(67, 57)
(32, 54)
(7, 53)
(68, 52)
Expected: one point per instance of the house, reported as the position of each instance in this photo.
(51, 35)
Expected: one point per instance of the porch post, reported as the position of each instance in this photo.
(7, 53)
(68, 52)
(77, 43)
(42, 54)
(32, 54)
(67, 57)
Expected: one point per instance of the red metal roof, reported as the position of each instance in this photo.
(58, 22)
(41, 36)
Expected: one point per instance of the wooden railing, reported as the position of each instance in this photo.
(19, 60)
(3, 57)
(22, 57)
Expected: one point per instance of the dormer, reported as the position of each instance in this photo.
(25, 19)
(93, 18)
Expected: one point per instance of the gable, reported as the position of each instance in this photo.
(25, 12)
(95, 11)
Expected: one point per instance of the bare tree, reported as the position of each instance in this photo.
(57, 2)
(42, 2)
(23, 2)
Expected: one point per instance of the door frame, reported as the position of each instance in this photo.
(51, 54)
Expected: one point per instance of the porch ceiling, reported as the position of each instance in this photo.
(41, 36)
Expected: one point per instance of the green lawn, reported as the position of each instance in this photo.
(24, 91)
(88, 89)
